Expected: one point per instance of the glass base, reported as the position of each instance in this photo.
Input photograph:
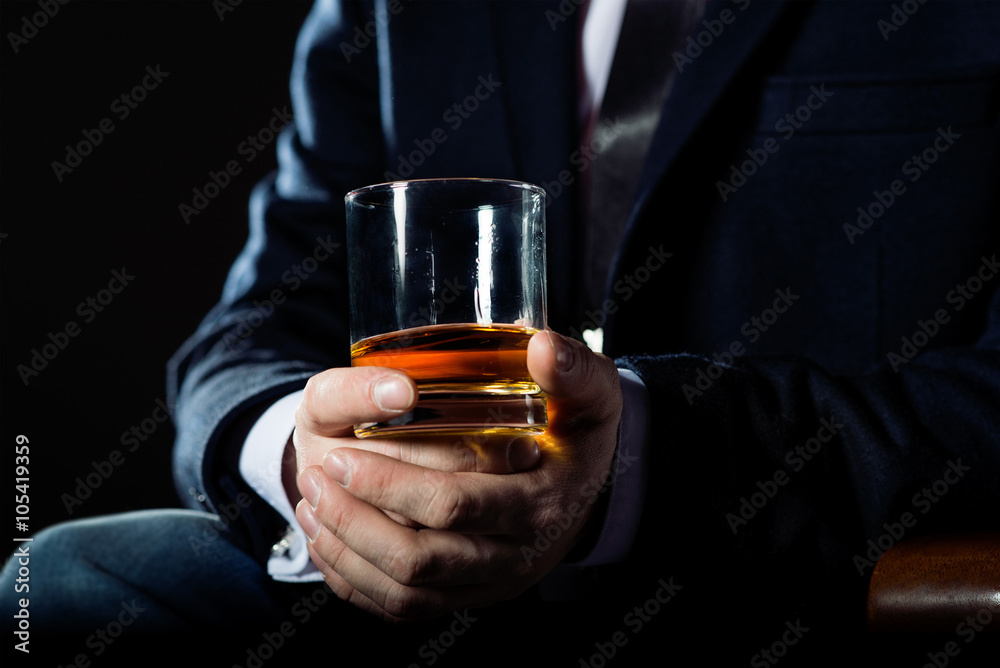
(464, 414)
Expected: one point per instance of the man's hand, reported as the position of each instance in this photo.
(337, 399)
(471, 538)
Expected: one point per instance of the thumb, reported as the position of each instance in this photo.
(580, 383)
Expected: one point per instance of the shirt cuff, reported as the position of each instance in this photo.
(260, 465)
(621, 523)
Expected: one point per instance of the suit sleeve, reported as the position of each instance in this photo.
(774, 462)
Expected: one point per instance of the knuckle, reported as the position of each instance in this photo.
(552, 512)
(459, 456)
(610, 401)
(381, 483)
(313, 389)
(305, 417)
(336, 516)
(602, 399)
(450, 507)
(378, 487)
(407, 565)
(401, 603)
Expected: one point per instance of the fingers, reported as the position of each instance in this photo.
(580, 384)
(461, 502)
(487, 454)
(332, 551)
(393, 566)
(352, 581)
(336, 399)
(403, 554)
(344, 591)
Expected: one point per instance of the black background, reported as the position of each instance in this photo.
(119, 209)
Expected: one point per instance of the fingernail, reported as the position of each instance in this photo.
(311, 487)
(392, 394)
(337, 467)
(522, 454)
(562, 351)
(308, 521)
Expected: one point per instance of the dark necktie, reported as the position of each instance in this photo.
(641, 74)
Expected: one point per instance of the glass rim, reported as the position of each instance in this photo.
(353, 195)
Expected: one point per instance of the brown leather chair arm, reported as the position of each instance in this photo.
(935, 584)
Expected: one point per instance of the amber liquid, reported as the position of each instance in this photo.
(472, 379)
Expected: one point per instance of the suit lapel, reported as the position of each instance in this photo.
(536, 53)
(704, 76)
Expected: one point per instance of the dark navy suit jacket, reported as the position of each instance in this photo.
(821, 349)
